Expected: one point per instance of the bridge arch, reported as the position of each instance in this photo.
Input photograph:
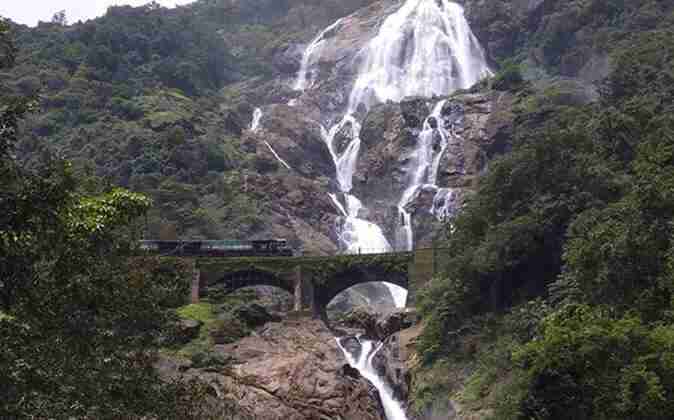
(345, 279)
(231, 281)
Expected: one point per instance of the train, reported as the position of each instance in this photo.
(218, 248)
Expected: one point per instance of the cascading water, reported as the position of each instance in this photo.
(255, 125)
(309, 58)
(425, 48)
(257, 117)
(444, 204)
(363, 364)
(425, 162)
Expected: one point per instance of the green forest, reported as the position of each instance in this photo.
(560, 283)
(556, 301)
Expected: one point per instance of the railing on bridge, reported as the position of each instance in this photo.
(359, 251)
(235, 248)
(216, 248)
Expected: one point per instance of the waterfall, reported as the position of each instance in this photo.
(426, 48)
(255, 125)
(257, 116)
(273, 152)
(425, 162)
(444, 204)
(310, 57)
(356, 235)
(392, 408)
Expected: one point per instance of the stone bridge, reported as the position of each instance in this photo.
(313, 281)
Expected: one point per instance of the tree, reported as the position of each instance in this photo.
(7, 48)
(60, 18)
(80, 321)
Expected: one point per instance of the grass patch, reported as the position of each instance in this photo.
(205, 313)
(197, 311)
(209, 313)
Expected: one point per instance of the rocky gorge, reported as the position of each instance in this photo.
(337, 127)
(278, 365)
(290, 369)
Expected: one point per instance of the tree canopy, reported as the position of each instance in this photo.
(80, 321)
(580, 214)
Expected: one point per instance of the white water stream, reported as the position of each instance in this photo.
(425, 48)
(425, 162)
(255, 125)
(257, 117)
(307, 74)
(392, 408)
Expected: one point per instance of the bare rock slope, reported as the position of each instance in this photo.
(290, 370)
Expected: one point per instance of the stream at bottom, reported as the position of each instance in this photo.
(363, 363)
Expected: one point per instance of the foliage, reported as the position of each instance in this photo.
(587, 364)
(579, 215)
(136, 94)
(509, 76)
(224, 320)
(7, 47)
(565, 36)
(81, 320)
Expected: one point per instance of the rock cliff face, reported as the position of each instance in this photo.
(291, 167)
(301, 207)
(290, 370)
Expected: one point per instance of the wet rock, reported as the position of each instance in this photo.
(414, 112)
(342, 138)
(379, 120)
(362, 319)
(296, 139)
(394, 322)
(346, 301)
(347, 370)
(352, 345)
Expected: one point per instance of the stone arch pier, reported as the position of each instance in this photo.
(313, 281)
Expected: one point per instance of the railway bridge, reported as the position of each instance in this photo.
(313, 281)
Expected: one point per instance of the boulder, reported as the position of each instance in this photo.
(394, 322)
(254, 315)
(186, 330)
(360, 318)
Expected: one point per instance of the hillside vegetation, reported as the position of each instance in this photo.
(556, 301)
(134, 97)
(558, 292)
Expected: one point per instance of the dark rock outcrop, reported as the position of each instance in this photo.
(186, 330)
(394, 322)
(254, 315)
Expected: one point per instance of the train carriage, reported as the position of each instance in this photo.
(218, 248)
